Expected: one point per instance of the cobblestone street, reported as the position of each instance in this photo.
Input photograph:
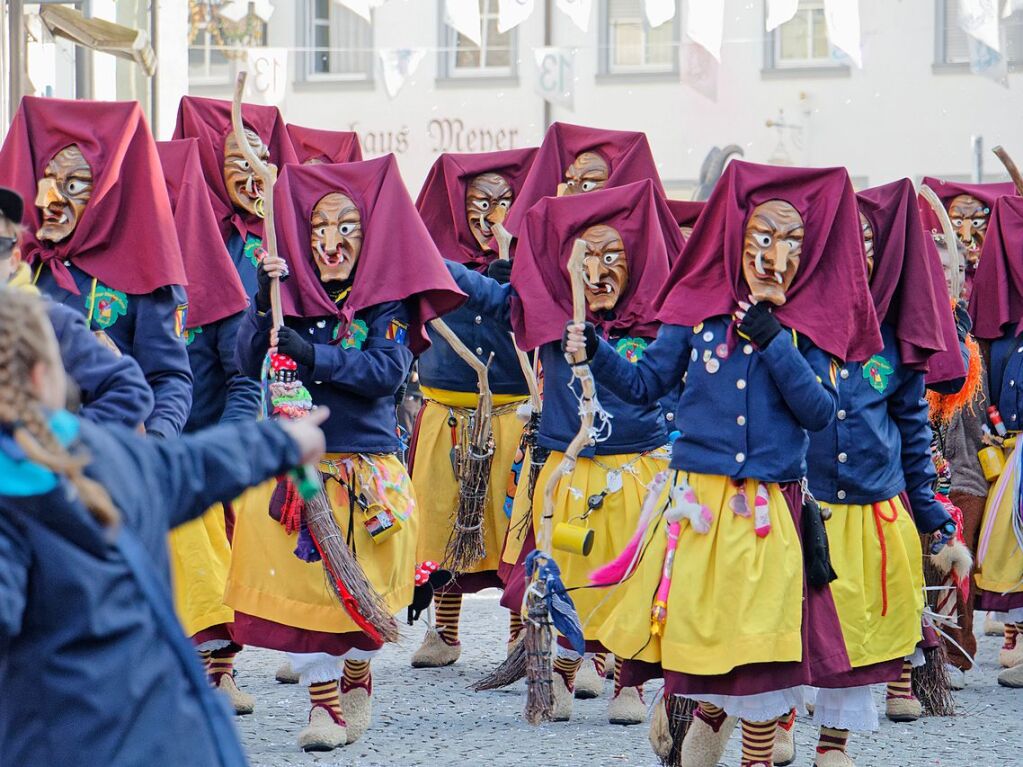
(428, 717)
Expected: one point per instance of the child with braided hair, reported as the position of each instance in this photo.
(74, 532)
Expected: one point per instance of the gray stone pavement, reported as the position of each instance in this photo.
(428, 717)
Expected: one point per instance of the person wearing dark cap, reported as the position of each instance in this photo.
(111, 388)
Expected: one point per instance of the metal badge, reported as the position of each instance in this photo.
(713, 366)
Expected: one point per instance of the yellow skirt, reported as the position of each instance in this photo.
(437, 488)
(521, 514)
(613, 524)
(735, 598)
(268, 581)
(200, 557)
(999, 559)
(880, 614)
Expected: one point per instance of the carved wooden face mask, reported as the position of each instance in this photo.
(484, 195)
(773, 245)
(868, 244)
(969, 218)
(587, 173)
(336, 237)
(243, 186)
(605, 266)
(63, 192)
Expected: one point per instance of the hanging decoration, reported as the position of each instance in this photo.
(842, 18)
(779, 12)
(659, 11)
(511, 13)
(464, 17)
(397, 66)
(578, 11)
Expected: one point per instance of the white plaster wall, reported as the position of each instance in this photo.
(893, 118)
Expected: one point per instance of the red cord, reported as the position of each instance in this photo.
(878, 518)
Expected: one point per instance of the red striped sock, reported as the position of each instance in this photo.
(326, 696)
(357, 674)
(904, 687)
(758, 743)
(221, 663)
(832, 740)
(1009, 639)
(711, 714)
(515, 626)
(447, 613)
(788, 721)
(568, 668)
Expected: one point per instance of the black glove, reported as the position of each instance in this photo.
(963, 322)
(289, 342)
(590, 336)
(263, 292)
(500, 270)
(759, 325)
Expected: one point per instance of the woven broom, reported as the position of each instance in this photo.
(931, 684)
(348, 581)
(474, 455)
(538, 641)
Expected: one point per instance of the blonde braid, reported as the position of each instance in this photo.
(24, 334)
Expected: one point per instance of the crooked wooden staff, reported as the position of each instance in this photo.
(538, 641)
(473, 457)
(1010, 166)
(290, 399)
(949, 234)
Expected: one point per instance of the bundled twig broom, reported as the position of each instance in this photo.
(473, 457)
(290, 399)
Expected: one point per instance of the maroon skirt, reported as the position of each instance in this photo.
(259, 632)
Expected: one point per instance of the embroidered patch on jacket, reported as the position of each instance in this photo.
(254, 250)
(632, 348)
(877, 371)
(190, 334)
(110, 304)
(180, 318)
(397, 331)
(356, 335)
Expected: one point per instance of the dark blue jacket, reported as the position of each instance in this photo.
(356, 376)
(146, 328)
(94, 667)
(1005, 378)
(880, 442)
(222, 393)
(243, 254)
(742, 415)
(441, 368)
(635, 427)
(111, 387)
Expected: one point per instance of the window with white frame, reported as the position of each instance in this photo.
(802, 41)
(952, 43)
(215, 42)
(496, 57)
(341, 42)
(631, 45)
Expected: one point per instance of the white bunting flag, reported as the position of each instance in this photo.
(843, 21)
(267, 82)
(464, 17)
(398, 65)
(979, 20)
(780, 11)
(706, 25)
(511, 13)
(578, 11)
(659, 11)
(363, 8)
(699, 70)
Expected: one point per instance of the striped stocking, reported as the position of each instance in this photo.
(568, 668)
(447, 612)
(758, 743)
(832, 740)
(356, 674)
(326, 696)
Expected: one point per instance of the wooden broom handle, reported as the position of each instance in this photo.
(463, 351)
(951, 241)
(504, 238)
(268, 175)
(589, 393)
(1010, 166)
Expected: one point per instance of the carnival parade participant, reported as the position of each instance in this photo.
(871, 467)
(73, 531)
(969, 207)
(770, 291)
(236, 191)
(313, 145)
(996, 307)
(629, 234)
(364, 278)
(200, 549)
(108, 387)
(574, 159)
(464, 194)
(101, 236)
